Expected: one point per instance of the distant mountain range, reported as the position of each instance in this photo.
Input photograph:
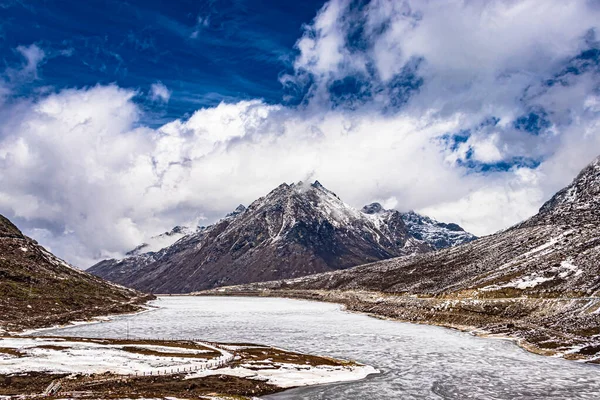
(38, 289)
(538, 281)
(293, 231)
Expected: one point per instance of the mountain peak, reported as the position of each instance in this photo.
(8, 229)
(577, 203)
(238, 210)
(317, 185)
(373, 208)
(178, 229)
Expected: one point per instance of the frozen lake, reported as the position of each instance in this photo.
(416, 361)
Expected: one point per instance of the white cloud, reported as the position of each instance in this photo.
(159, 92)
(477, 56)
(79, 171)
(107, 185)
(497, 202)
(485, 149)
(27, 70)
(33, 57)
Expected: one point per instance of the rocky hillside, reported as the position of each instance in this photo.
(38, 289)
(538, 281)
(293, 231)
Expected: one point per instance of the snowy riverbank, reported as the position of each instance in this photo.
(72, 365)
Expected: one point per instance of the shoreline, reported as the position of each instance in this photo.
(99, 319)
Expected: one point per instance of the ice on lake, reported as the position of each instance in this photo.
(416, 361)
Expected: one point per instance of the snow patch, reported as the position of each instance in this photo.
(90, 357)
(527, 282)
(569, 269)
(295, 375)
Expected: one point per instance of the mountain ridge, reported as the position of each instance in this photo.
(294, 230)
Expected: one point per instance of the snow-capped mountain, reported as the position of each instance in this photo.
(295, 230)
(437, 234)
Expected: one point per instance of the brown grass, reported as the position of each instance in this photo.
(148, 352)
(186, 344)
(282, 356)
(52, 347)
(29, 383)
(170, 386)
(11, 352)
(119, 386)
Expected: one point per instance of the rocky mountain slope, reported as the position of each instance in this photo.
(438, 235)
(538, 281)
(38, 289)
(293, 231)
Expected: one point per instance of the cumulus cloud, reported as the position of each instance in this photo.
(472, 112)
(159, 92)
(460, 47)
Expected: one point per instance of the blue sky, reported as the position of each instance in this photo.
(205, 52)
(120, 120)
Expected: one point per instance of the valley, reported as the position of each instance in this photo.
(315, 200)
(39, 291)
